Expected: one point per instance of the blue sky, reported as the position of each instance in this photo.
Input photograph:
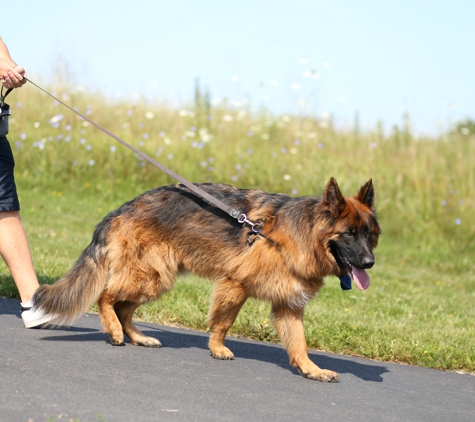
(379, 59)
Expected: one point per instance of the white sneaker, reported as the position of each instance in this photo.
(33, 317)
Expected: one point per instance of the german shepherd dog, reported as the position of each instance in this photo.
(137, 251)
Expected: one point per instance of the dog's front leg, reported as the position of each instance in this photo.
(289, 325)
(228, 298)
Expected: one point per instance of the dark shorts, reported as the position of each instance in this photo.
(8, 194)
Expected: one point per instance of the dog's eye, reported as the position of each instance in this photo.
(368, 231)
(349, 233)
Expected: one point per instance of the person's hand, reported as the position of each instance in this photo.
(14, 78)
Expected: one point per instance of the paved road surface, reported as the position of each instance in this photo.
(74, 373)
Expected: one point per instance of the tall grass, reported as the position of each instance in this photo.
(425, 186)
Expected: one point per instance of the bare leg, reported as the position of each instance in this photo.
(125, 312)
(289, 325)
(16, 253)
(228, 298)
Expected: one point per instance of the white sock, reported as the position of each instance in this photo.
(27, 304)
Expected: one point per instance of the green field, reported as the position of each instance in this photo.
(419, 308)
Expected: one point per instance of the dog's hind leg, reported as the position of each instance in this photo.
(228, 298)
(289, 325)
(125, 311)
(109, 319)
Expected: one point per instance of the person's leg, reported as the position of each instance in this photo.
(16, 253)
(13, 243)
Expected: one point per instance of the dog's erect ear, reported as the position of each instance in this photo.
(366, 194)
(333, 198)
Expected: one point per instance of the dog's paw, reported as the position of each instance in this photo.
(147, 342)
(222, 353)
(323, 375)
(152, 342)
(116, 340)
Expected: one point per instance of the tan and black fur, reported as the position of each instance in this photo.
(137, 251)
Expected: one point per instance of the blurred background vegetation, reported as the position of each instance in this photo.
(425, 186)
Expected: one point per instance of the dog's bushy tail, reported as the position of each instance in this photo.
(72, 295)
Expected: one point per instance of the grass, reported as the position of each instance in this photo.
(419, 308)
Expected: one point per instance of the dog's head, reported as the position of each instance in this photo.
(354, 231)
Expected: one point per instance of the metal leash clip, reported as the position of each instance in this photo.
(243, 220)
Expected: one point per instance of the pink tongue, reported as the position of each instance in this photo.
(361, 278)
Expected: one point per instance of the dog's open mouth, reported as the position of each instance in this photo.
(359, 276)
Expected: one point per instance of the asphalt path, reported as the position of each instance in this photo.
(75, 373)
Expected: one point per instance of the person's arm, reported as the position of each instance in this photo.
(11, 74)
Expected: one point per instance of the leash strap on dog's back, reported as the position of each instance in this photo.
(239, 216)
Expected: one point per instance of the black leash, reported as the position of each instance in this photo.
(4, 111)
(239, 216)
(2, 97)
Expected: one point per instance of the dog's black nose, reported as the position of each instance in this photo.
(368, 262)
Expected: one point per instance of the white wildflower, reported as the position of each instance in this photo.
(56, 119)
